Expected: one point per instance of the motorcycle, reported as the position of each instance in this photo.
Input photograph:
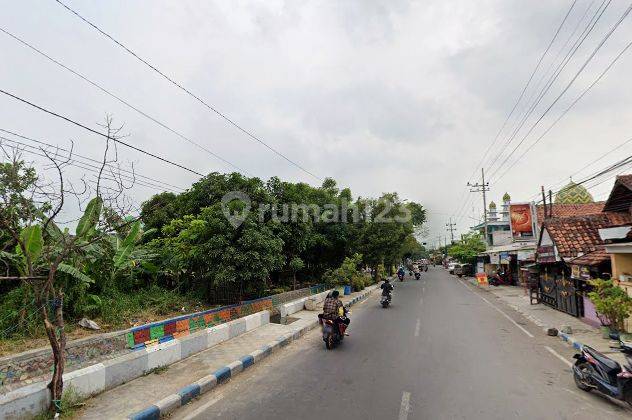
(593, 370)
(386, 300)
(400, 276)
(499, 279)
(417, 275)
(333, 336)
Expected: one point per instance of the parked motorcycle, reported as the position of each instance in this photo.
(499, 279)
(417, 275)
(385, 301)
(593, 370)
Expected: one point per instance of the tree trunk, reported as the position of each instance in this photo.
(294, 280)
(57, 338)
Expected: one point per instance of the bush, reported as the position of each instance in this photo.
(358, 283)
(613, 305)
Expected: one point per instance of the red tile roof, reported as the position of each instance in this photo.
(592, 258)
(576, 235)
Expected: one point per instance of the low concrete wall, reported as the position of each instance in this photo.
(28, 401)
(298, 305)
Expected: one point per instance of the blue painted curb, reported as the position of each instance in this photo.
(223, 374)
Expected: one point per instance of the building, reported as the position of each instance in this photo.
(618, 238)
(571, 248)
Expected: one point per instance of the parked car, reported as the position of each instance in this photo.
(451, 267)
(463, 270)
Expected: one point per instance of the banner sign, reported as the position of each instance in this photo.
(505, 258)
(546, 254)
(521, 221)
(575, 271)
(493, 259)
(482, 279)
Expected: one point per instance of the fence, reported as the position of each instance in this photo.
(159, 332)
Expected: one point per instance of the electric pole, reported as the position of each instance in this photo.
(482, 187)
(451, 227)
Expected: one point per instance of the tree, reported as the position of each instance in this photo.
(467, 248)
(44, 255)
(295, 265)
(611, 303)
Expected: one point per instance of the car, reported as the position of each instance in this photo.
(463, 270)
(451, 267)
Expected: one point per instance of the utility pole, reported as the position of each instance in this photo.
(482, 187)
(451, 227)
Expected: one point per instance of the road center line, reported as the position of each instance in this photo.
(500, 311)
(421, 300)
(559, 356)
(417, 326)
(405, 406)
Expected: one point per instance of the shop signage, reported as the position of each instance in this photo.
(493, 259)
(505, 258)
(575, 271)
(521, 221)
(546, 254)
(526, 255)
(481, 278)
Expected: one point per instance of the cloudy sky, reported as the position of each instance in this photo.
(383, 96)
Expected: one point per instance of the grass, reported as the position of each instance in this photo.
(117, 311)
(70, 403)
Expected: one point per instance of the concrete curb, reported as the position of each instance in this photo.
(174, 401)
(576, 344)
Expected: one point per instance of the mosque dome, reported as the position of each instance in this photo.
(573, 194)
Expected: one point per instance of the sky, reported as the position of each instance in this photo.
(382, 96)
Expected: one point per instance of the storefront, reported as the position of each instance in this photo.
(590, 266)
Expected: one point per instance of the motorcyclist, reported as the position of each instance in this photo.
(386, 287)
(332, 309)
(401, 272)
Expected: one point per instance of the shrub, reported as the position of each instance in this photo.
(358, 283)
(613, 305)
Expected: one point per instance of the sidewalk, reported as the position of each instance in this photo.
(163, 388)
(546, 317)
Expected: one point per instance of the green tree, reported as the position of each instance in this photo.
(466, 249)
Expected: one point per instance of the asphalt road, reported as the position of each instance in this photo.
(443, 350)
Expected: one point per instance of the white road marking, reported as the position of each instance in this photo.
(500, 311)
(417, 327)
(204, 408)
(421, 300)
(423, 289)
(559, 356)
(405, 406)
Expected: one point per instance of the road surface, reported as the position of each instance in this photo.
(443, 350)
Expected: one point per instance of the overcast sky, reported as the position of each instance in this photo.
(381, 95)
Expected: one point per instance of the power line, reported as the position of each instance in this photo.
(119, 99)
(581, 69)
(583, 36)
(526, 86)
(603, 73)
(589, 164)
(134, 173)
(524, 89)
(99, 133)
(86, 166)
(187, 91)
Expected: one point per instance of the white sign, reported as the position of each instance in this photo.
(494, 258)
